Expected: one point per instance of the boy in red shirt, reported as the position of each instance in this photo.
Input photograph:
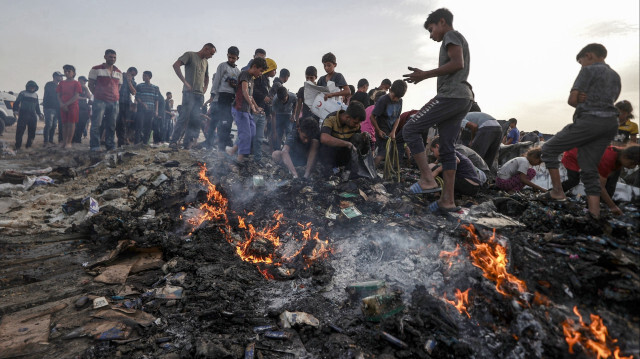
(68, 91)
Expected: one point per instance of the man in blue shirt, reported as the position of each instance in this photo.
(513, 134)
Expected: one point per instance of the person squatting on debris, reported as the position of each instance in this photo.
(69, 92)
(447, 109)
(513, 134)
(261, 87)
(51, 107)
(613, 159)
(104, 82)
(301, 148)
(627, 130)
(126, 121)
(195, 81)
(467, 180)
(595, 124)
(147, 104)
(384, 118)
(84, 111)
(518, 172)
(223, 90)
(26, 108)
(337, 130)
(486, 134)
(244, 107)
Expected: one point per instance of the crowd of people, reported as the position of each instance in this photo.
(459, 160)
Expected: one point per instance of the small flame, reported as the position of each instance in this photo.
(594, 337)
(267, 238)
(491, 257)
(448, 256)
(462, 300)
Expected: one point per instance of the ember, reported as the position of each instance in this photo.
(258, 245)
(594, 337)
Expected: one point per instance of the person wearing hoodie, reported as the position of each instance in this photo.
(25, 109)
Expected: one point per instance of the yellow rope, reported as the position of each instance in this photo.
(392, 160)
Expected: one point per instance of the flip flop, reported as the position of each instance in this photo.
(546, 197)
(435, 208)
(416, 189)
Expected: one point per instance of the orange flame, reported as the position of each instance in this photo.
(215, 208)
(448, 256)
(491, 257)
(581, 334)
(462, 300)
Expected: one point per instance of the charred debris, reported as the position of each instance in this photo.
(151, 253)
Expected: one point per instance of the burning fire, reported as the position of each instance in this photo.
(462, 300)
(259, 245)
(593, 336)
(448, 256)
(491, 257)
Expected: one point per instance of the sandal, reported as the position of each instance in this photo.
(435, 208)
(546, 197)
(416, 189)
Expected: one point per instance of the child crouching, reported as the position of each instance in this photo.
(517, 172)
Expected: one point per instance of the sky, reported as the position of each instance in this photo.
(522, 53)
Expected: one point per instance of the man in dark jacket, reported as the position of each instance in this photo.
(51, 109)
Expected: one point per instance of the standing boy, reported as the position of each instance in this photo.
(51, 109)
(384, 117)
(361, 95)
(245, 106)
(595, 124)
(262, 99)
(224, 88)
(147, 96)
(283, 105)
(332, 77)
(84, 110)
(126, 122)
(310, 75)
(69, 92)
(25, 108)
(446, 110)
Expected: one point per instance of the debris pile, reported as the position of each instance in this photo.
(173, 254)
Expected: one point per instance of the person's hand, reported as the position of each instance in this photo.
(393, 135)
(327, 96)
(267, 99)
(260, 110)
(582, 97)
(155, 114)
(133, 92)
(381, 134)
(616, 211)
(187, 86)
(416, 76)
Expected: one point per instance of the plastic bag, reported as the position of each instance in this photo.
(362, 166)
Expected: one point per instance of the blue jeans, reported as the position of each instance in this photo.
(104, 113)
(51, 119)
(246, 130)
(188, 123)
(256, 143)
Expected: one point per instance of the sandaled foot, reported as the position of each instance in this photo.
(435, 208)
(546, 197)
(417, 189)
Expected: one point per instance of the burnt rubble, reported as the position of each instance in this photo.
(359, 269)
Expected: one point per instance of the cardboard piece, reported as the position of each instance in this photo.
(19, 338)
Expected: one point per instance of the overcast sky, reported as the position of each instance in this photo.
(522, 53)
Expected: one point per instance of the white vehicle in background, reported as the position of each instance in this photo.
(6, 110)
